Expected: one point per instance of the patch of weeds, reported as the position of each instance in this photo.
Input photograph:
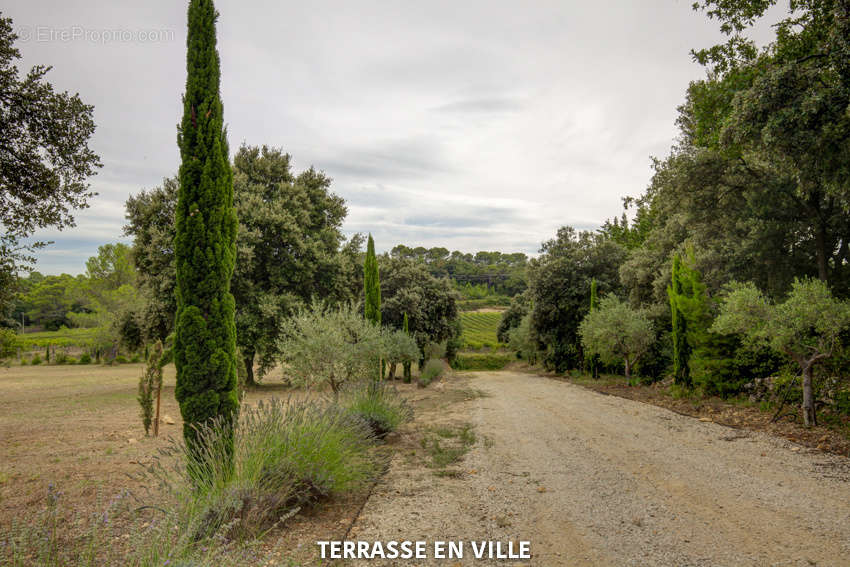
(446, 445)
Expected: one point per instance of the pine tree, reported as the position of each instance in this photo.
(205, 241)
(407, 374)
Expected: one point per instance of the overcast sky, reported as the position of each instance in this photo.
(474, 125)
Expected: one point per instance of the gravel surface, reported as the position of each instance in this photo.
(591, 479)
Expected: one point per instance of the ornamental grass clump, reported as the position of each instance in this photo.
(286, 455)
(378, 405)
(433, 369)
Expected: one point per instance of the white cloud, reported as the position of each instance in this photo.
(471, 125)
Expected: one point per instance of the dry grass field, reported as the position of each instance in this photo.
(78, 428)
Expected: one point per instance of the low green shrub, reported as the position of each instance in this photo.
(482, 360)
(842, 402)
(286, 455)
(121, 359)
(85, 358)
(36, 359)
(136, 358)
(433, 369)
(378, 405)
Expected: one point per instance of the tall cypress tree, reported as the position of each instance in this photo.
(681, 349)
(593, 360)
(205, 241)
(372, 284)
(372, 292)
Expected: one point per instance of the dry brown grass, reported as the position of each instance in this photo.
(78, 427)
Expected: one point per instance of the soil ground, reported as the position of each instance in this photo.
(588, 479)
(591, 479)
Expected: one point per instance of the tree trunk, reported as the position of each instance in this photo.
(809, 417)
(391, 372)
(156, 420)
(249, 369)
(628, 369)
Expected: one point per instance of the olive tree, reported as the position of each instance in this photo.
(327, 346)
(806, 326)
(398, 347)
(616, 332)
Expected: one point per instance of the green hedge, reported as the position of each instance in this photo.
(482, 361)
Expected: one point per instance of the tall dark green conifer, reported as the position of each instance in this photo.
(205, 242)
(372, 284)
(593, 359)
(681, 349)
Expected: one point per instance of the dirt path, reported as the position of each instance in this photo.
(599, 480)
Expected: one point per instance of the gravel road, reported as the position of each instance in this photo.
(591, 479)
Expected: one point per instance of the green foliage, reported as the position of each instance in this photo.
(36, 359)
(85, 358)
(482, 361)
(480, 329)
(616, 332)
(285, 455)
(205, 242)
(46, 160)
(378, 405)
(592, 360)
(430, 303)
(406, 365)
(432, 370)
(806, 327)
(111, 268)
(486, 273)
(288, 247)
(455, 342)
(681, 350)
(521, 339)
(558, 282)
(327, 346)
(150, 221)
(398, 347)
(289, 244)
(8, 343)
(371, 284)
(150, 385)
(512, 316)
(723, 364)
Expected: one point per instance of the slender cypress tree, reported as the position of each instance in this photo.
(372, 284)
(407, 364)
(372, 292)
(205, 241)
(681, 349)
(593, 360)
